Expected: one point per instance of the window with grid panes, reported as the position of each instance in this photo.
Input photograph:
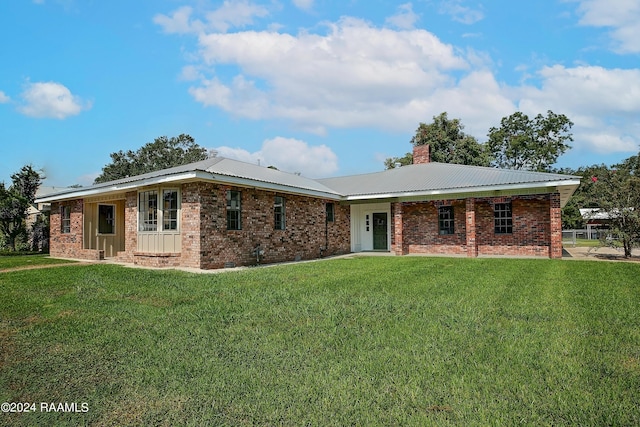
(278, 213)
(445, 219)
(234, 210)
(503, 218)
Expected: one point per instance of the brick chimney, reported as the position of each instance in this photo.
(421, 154)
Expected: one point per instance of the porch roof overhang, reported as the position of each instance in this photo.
(565, 188)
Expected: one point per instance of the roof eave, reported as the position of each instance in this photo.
(181, 177)
(430, 194)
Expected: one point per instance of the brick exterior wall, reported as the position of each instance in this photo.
(69, 245)
(421, 233)
(306, 234)
(537, 228)
(206, 243)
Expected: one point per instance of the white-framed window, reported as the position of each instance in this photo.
(278, 213)
(158, 210)
(106, 219)
(148, 210)
(170, 209)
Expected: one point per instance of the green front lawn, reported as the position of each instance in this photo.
(364, 341)
(7, 262)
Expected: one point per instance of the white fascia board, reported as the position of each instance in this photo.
(117, 188)
(186, 176)
(484, 189)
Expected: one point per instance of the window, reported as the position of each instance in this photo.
(170, 209)
(65, 219)
(278, 213)
(148, 211)
(330, 212)
(503, 218)
(445, 219)
(234, 210)
(106, 219)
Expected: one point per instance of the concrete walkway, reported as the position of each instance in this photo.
(598, 254)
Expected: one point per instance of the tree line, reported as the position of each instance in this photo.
(518, 143)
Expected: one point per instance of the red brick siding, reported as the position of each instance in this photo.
(421, 231)
(531, 227)
(69, 245)
(536, 224)
(304, 236)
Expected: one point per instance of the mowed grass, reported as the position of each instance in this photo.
(20, 261)
(363, 341)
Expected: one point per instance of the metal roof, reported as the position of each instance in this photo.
(218, 169)
(444, 179)
(413, 181)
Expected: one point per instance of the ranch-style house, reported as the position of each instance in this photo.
(220, 213)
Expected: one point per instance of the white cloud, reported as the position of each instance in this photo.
(460, 13)
(232, 14)
(4, 98)
(622, 16)
(289, 155)
(51, 100)
(355, 75)
(405, 19)
(603, 104)
(303, 4)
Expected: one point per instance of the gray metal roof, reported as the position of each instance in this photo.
(439, 177)
(218, 169)
(429, 179)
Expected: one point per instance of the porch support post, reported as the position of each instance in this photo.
(472, 245)
(398, 230)
(555, 232)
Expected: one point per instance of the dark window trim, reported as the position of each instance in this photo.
(234, 213)
(279, 213)
(108, 221)
(503, 218)
(330, 211)
(446, 220)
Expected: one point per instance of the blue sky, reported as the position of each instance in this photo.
(320, 87)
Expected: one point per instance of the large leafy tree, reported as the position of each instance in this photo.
(15, 202)
(160, 154)
(530, 144)
(617, 192)
(449, 144)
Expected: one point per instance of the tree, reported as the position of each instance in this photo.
(392, 162)
(617, 192)
(15, 202)
(523, 143)
(160, 154)
(449, 144)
